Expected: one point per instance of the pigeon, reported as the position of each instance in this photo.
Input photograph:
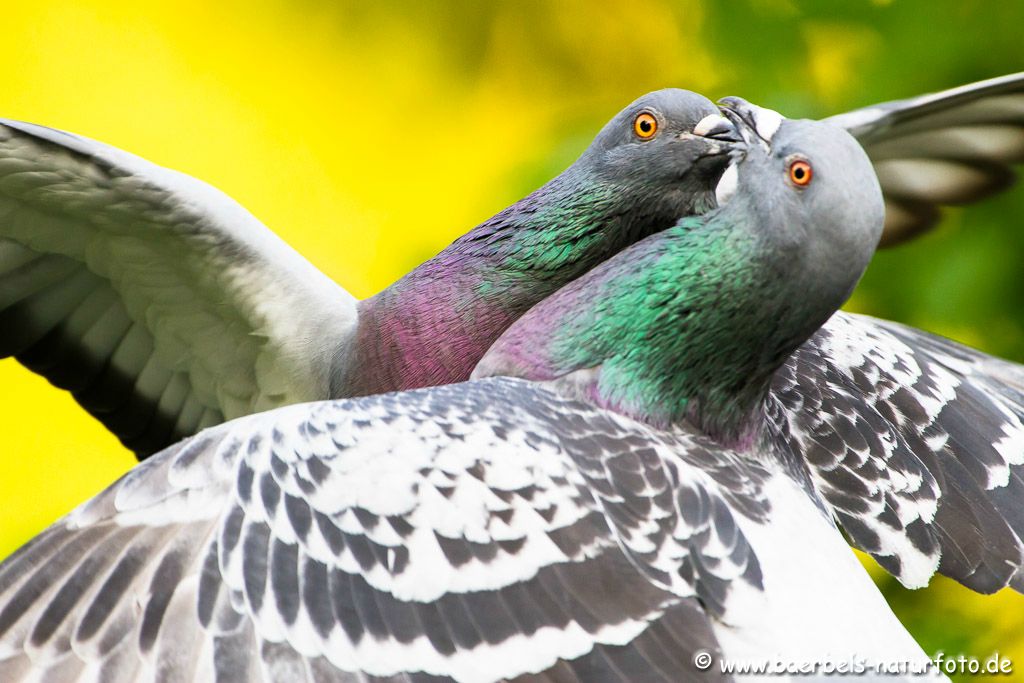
(915, 442)
(164, 307)
(602, 501)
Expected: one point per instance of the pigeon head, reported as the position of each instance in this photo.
(690, 324)
(815, 191)
(657, 160)
(664, 143)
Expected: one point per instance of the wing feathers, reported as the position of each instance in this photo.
(190, 567)
(30, 274)
(194, 273)
(942, 182)
(983, 143)
(42, 310)
(916, 443)
(951, 147)
(16, 619)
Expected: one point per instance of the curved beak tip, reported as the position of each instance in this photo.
(717, 127)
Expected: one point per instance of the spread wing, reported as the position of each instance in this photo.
(916, 442)
(481, 531)
(160, 303)
(947, 148)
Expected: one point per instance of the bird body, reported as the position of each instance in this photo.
(818, 607)
(478, 531)
(535, 528)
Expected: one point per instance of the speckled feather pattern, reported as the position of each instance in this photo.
(916, 443)
(480, 531)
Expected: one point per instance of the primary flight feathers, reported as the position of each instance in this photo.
(947, 148)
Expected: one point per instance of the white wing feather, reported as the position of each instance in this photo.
(160, 302)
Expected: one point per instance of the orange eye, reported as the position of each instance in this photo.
(800, 172)
(645, 126)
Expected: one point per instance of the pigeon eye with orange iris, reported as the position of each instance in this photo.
(800, 173)
(645, 126)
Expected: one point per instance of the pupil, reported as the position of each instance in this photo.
(645, 125)
(799, 173)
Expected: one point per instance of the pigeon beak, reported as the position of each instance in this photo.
(719, 132)
(747, 117)
(715, 127)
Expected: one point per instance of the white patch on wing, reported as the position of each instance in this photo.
(406, 465)
(1010, 447)
(851, 344)
(817, 600)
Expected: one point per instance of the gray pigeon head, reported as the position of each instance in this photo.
(665, 139)
(815, 191)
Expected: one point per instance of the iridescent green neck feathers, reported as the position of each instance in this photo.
(689, 324)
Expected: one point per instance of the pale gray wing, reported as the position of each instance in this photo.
(479, 532)
(160, 303)
(947, 148)
(916, 442)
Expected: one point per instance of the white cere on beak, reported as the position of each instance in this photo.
(726, 185)
(768, 122)
(709, 123)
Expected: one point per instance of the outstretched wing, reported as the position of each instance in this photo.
(916, 442)
(482, 531)
(160, 303)
(947, 148)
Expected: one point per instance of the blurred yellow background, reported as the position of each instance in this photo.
(370, 136)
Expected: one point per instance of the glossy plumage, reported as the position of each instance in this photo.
(164, 307)
(499, 529)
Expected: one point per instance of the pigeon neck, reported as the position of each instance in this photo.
(433, 325)
(687, 326)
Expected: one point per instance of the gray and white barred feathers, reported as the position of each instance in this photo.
(917, 445)
(478, 531)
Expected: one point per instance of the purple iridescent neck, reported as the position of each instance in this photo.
(429, 328)
(433, 325)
